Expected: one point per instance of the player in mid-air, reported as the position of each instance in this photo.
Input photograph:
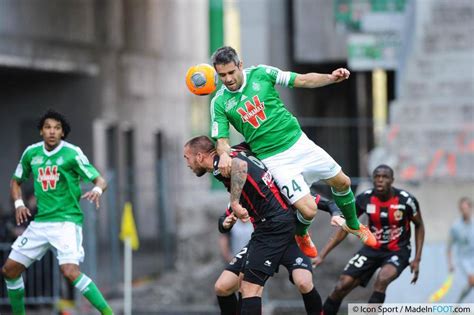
(298, 266)
(254, 194)
(57, 168)
(249, 101)
(390, 211)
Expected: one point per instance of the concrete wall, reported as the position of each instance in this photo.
(117, 62)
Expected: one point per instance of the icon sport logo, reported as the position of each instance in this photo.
(48, 177)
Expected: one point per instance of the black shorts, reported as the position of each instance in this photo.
(292, 259)
(267, 246)
(367, 260)
(236, 265)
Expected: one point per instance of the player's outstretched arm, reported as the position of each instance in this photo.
(21, 211)
(238, 178)
(315, 80)
(337, 237)
(94, 194)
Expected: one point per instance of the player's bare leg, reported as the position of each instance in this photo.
(387, 274)
(345, 200)
(12, 271)
(303, 280)
(225, 286)
(251, 298)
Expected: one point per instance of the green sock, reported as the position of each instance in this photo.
(302, 225)
(346, 202)
(16, 295)
(90, 291)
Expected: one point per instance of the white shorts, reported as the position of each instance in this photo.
(297, 168)
(39, 237)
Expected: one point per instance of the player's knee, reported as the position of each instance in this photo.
(221, 289)
(307, 207)
(9, 272)
(6, 272)
(343, 183)
(70, 271)
(343, 287)
(382, 282)
(304, 285)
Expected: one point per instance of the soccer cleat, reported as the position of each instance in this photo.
(363, 233)
(306, 245)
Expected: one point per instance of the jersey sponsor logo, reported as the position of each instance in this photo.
(370, 208)
(37, 160)
(253, 113)
(385, 235)
(397, 206)
(230, 104)
(48, 177)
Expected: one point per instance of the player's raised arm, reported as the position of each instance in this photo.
(338, 236)
(237, 181)
(315, 80)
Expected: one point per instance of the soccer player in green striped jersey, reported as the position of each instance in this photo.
(57, 168)
(249, 101)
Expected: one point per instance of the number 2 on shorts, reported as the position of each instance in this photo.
(288, 192)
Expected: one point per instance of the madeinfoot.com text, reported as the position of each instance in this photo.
(410, 308)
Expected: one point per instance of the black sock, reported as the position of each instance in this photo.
(228, 304)
(239, 306)
(331, 307)
(251, 306)
(377, 297)
(312, 302)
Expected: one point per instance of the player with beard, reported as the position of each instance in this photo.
(253, 194)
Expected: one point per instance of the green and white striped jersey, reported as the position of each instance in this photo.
(56, 176)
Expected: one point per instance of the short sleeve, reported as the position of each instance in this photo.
(23, 169)
(280, 77)
(219, 121)
(82, 167)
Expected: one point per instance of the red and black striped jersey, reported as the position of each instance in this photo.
(260, 195)
(389, 220)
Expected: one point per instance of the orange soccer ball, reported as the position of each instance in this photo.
(201, 79)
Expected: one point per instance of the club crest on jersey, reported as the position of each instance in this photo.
(48, 177)
(253, 113)
(398, 215)
(256, 86)
(230, 104)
